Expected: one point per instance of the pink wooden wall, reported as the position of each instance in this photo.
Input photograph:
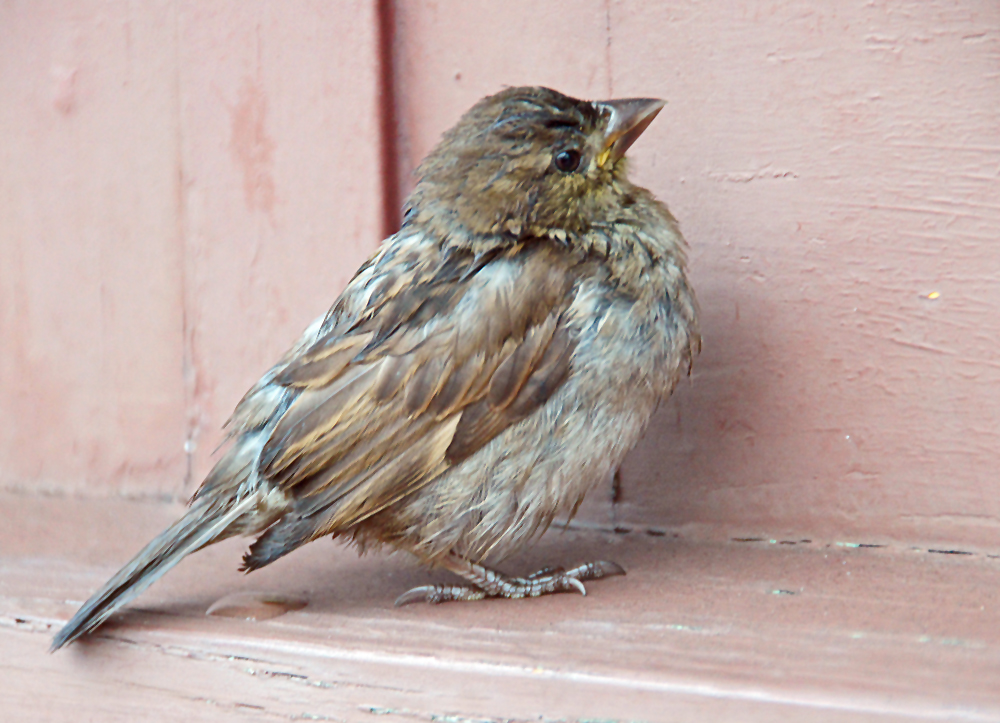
(186, 185)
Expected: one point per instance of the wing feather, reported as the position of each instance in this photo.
(424, 376)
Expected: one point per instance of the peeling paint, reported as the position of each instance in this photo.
(253, 147)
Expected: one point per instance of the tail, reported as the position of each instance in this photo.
(206, 522)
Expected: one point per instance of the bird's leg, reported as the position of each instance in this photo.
(490, 583)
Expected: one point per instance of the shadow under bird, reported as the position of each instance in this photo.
(493, 361)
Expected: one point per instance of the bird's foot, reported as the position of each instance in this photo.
(490, 583)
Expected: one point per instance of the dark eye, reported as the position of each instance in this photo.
(567, 161)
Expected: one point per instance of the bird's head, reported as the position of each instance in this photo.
(530, 162)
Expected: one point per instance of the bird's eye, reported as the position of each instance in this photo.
(567, 161)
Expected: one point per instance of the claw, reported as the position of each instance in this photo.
(425, 593)
(578, 585)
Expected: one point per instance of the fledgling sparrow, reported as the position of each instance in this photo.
(492, 362)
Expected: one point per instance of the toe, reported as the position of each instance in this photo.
(608, 568)
(596, 570)
(545, 572)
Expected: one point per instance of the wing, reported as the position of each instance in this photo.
(427, 357)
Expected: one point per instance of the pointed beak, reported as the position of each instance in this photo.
(628, 118)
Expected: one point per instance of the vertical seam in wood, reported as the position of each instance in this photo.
(385, 18)
(607, 48)
(189, 371)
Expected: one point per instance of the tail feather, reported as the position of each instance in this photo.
(287, 534)
(206, 522)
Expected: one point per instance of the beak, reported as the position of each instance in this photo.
(629, 117)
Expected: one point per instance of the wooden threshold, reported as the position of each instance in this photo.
(697, 631)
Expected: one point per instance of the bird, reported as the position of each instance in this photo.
(487, 366)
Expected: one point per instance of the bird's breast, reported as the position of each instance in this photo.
(627, 359)
(639, 346)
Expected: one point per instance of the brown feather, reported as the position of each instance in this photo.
(323, 363)
(350, 445)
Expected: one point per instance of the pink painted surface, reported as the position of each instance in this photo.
(91, 268)
(190, 185)
(186, 187)
(697, 631)
(836, 167)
